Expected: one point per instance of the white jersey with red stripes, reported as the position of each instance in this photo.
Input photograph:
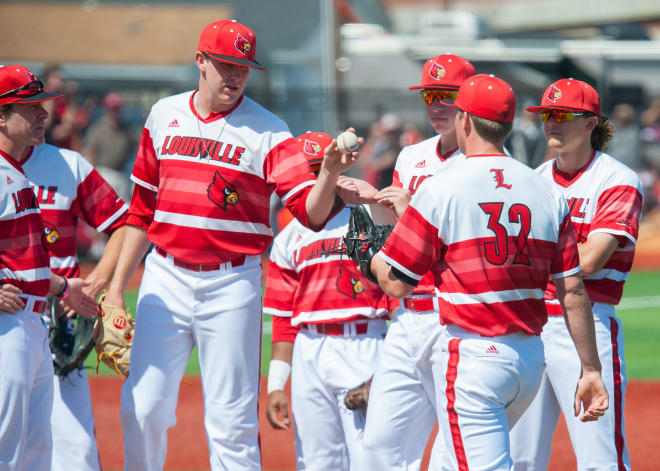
(214, 177)
(23, 258)
(604, 196)
(310, 281)
(415, 164)
(68, 189)
(492, 231)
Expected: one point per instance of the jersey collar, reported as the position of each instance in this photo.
(446, 155)
(213, 116)
(565, 179)
(13, 162)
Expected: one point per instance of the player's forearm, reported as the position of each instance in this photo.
(100, 276)
(321, 199)
(133, 249)
(282, 351)
(57, 284)
(596, 251)
(579, 320)
(389, 283)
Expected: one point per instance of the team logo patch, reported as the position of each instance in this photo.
(437, 71)
(221, 192)
(311, 147)
(242, 45)
(50, 236)
(349, 282)
(554, 94)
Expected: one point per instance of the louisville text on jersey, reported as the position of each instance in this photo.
(24, 200)
(319, 248)
(197, 146)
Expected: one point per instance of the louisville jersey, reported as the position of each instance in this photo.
(604, 196)
(310, 281)
(68, 188)
(492, 232)
(23, 258)
(415, 164)
(214, 177)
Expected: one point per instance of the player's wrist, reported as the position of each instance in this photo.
(64, 292)
(278, 374)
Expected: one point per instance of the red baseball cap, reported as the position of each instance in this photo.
(230, 41)
(312, 144)
(488, 97)
(569, 94)
(444, 71)
(19, 85)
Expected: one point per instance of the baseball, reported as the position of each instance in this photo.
(347, 142)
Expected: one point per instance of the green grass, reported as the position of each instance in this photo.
(639, 312)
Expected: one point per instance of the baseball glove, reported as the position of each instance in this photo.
(358, 397)
(364, 239)
(115, 337)
(71, 340)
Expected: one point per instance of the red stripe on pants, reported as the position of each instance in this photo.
(618, 394)
(452, 372)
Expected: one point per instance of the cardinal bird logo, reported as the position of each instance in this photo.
(348, 282)
(437, 71)
(242, 45)
(50, 235)
(554, 94)
(221, 192)
(311, 147)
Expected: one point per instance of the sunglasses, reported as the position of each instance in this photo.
(28, 90)
(443, 96)
(559, 115)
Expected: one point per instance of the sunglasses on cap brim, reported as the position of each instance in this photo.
(447, 97)
(25, 91)
(560, 115)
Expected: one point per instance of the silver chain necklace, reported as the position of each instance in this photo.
(204, 151)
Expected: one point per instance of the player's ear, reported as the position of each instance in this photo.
(200, 60)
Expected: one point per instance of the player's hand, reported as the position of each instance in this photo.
(9, 300)
(592, 396)
(355, 191)
(395, 198)
(114, 298)
(334, 162)
(277, 410)
(78, 301)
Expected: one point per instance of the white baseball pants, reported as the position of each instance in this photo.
(401, 411)
(26, 390)
(599, 445)
(484, 384)
(328, 436)
(74, 443)
(220, 312)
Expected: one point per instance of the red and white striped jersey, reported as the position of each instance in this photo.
(415, 164)
(604, 196)
(311, 283)
(214, 177)
(492, 231)
(23, 258)
(68, 188)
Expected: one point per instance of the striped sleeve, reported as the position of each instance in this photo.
(98, 204)
(618, 212)
(283, 331)
(142, 209)
(145, 171)
(566, 261)
(281, 286)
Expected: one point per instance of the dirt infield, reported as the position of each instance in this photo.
(188, 450)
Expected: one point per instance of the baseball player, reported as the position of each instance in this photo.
(491, 231)
(401, 412)
(69, 189)
(207, 164)
(605, 201)
(26, 367)
(318, 298)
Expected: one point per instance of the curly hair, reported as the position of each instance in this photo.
(602, 133)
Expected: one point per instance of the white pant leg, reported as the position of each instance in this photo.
(325, 367)
(26, 393)
(401, 411)
(483, 391)
(74, 442)
(598, 445)
(161, 348)
(227, 324)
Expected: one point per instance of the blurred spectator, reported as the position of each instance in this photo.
(411, 135)
(108, 143)
(380, 150)
(625, 146)
(527, 141)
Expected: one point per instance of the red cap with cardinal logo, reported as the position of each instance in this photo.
(571, 95)
(230, 41)
(444, 71)
(19, 85)
(312, 145)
